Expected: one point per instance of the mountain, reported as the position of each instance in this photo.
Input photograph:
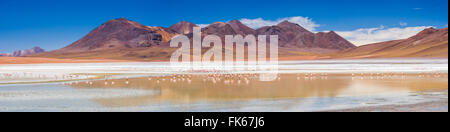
(125, 39)
(183, 27)
(428, 43)
(331, 40)
(119, 34)
(234, 27)
(128, 40)
(241, 29)
(32, 51)
(220, 29)
(19, 53)
(292, 35)
(289, 34)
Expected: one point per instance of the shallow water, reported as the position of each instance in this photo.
(291, 92)
(300, 86)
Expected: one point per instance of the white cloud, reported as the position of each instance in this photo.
(202, 25)
(380, 34)
(403, 24)
(305, 22)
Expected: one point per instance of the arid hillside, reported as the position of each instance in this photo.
(430, 43)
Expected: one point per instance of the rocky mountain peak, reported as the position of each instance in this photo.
(183, 27)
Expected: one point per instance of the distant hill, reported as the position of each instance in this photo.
(428, 43)
(293, 35)
(121, 34)
(183, 27)
(20, 53)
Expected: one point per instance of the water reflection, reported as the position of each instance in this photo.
(186, 89)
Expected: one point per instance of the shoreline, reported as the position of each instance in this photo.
(431, 106)
(438, 104)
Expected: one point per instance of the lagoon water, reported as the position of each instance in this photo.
(299, 86)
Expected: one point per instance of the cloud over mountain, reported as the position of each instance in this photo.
(305, 22)
(358, 37)
(364, 36)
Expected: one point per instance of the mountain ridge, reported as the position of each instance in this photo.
(19, 53)
(121, 33)
(427, 43)
(183, 27)
(125, 39)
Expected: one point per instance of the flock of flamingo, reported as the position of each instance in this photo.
(245, 79)
(43, 76)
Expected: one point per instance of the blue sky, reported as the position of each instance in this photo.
(53, 24)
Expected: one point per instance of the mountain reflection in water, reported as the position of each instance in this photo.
(186, 89)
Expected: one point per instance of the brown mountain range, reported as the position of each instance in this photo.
(241, 29)
(19, 53)
(125, 39)
(428, 43)
(220, 29)
(183, 27)
(128, 40)
(294, 36)
(121, 34)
